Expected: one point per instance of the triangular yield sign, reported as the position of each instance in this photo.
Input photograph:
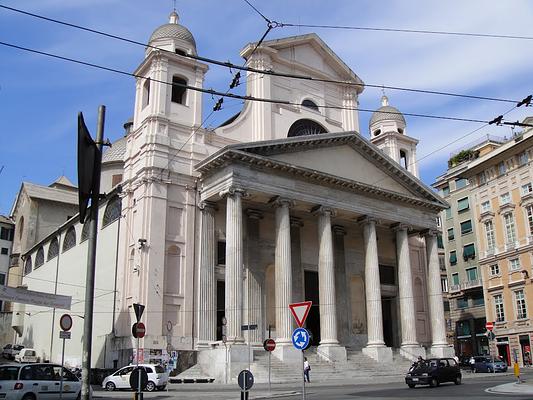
(300, 311)
(139, 309)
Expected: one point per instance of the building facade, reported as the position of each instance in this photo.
(502, 192)
(225, 227)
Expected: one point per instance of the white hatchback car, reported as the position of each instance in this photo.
(37, 381)
(157, 378)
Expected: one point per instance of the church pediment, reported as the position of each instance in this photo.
(340, 159)
(308, 52)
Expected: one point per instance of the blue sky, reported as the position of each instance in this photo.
(40, 97)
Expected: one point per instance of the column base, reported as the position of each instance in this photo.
(442, 350)
(381, 354)
(287, 353)
(224, 362)
(412, 351)
(332, 352)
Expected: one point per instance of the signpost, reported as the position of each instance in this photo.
(138, 330)
(300, 336)
(269, 345)
(65, 322)
(245, 381)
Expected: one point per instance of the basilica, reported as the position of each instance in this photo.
(216, 229)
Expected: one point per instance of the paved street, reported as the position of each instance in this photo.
(473, 387)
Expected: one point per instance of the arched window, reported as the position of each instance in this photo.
(146, 93)
(178, 90)
(27, 266)
(310, 104)
(53, 249)
(39, 258)
(85, 230)
(403, 159)
(377, 132)
(173, 270)
(70, 239)
(304, 127)
(112, 211)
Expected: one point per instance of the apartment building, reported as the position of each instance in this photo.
(501, 196)
(461, 251)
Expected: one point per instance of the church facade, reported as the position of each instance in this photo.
(282, 203)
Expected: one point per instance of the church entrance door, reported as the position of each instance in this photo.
(386, 308)
(221, 306)
(311, 294)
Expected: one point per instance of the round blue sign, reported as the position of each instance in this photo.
(300, 338)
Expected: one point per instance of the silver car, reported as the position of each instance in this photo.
(37, 381)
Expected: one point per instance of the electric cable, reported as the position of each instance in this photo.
(248, 69)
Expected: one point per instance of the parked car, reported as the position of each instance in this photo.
(487, 364)
(11, 350)
(157, 378)
(26, 355)
(37, 381)
(433, 372)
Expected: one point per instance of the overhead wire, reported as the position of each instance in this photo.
(245, 68)
(231, 95)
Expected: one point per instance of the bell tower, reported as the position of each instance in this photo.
(388, 132)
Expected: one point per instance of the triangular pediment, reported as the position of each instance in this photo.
(344, 159)
(309, 52)
(345, 162)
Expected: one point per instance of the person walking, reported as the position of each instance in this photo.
(307, 368)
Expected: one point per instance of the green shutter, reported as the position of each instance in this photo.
(453, 258)
(469, 251)
(462, 204)
(466, 227)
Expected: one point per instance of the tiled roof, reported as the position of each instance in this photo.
(116, 152)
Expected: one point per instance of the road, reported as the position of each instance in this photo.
(473, 388)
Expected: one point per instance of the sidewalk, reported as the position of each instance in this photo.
(512, 388)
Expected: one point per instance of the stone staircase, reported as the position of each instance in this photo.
(357, 367)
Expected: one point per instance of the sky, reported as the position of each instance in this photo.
(40, 96)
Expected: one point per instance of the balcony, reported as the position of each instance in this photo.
(476, 283)
(455, 288)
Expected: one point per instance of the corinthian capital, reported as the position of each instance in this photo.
(234, 191)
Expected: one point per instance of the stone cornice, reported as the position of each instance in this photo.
(256, 154)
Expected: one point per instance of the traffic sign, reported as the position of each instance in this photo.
(65, 322)
(300, 338)
(269, 344)
(139, 309)
(138, 330)
(249, 327)
(245, 379)
(134, 378)
(64, 335)
(300, 311)
(489, 325)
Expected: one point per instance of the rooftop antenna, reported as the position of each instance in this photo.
(174, 1)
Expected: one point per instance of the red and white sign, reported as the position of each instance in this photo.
(300, 311)
(139, 330)
(65, 322)
(489, 326)
(269, 345)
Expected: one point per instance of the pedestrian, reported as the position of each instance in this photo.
(472, 364)
(307, 368)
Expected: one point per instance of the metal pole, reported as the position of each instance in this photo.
(61, 373)
(91, 263)
(303, 373)
(138, 372)
(269, 363)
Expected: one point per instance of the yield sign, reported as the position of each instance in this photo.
(300, 311)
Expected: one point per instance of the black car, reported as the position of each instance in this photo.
(433, 372)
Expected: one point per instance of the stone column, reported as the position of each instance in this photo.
(283, 277)
(329, 347)
(375, 347)
(254, 280)
(234, 265)
(207, 290)
(296, 261)
(410, 348)
(344, 312)
(439, 345)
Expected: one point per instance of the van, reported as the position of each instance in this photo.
(26, 355)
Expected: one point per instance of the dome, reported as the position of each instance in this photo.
(173, 30)
(387, 113)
